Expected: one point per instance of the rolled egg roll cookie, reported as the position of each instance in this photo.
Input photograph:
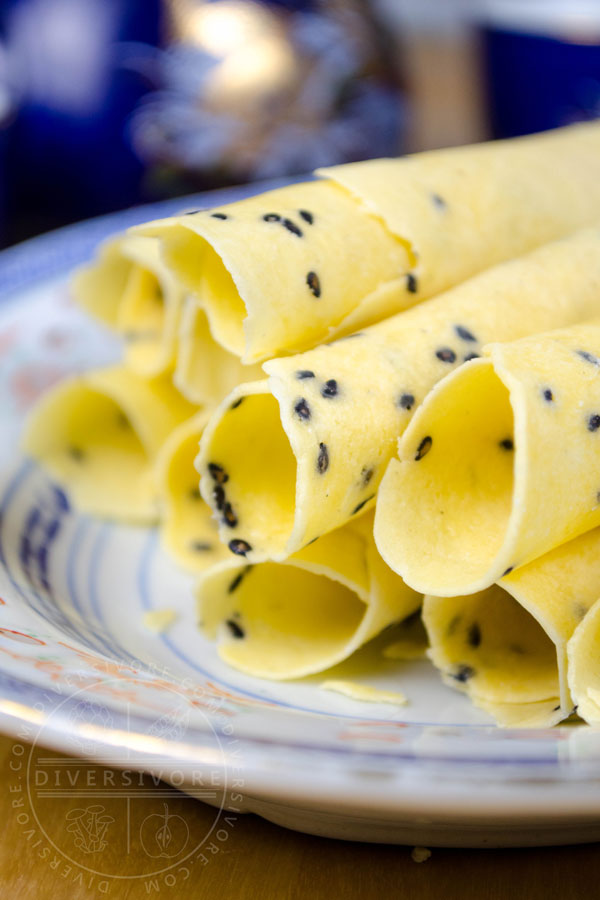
(500, 464)
(131, 290)
(464, 209)
(583, 654)
(506, 646)
(204, 370)
(287, 620)
(187, 526)
(99, 435)
(279, 271)
(290, 458)
(287, 269)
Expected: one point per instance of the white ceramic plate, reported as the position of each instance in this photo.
(79, 672)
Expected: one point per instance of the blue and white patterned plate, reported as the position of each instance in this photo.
(80, 672)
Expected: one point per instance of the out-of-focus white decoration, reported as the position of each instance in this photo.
(250, 90)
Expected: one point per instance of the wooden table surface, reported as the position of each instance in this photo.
(256, 860)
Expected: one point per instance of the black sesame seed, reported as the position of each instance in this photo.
(412, 285)
(453, 625)
(312, 280)
(229, 517)
(406, 401)
(347, 337)
(219, 497)
(313, 540)
(507, 571)
(218, 473)
(301, 374)
(556, 708)
(218, 216)
(446, 354)
(463, 673)
(464, 333)
(516, 648)
(593, 423)
(192, 212)
(579, 610)
(330, 388)
(474, 635)
(506, 444)
(238, 580)
(361, 504)
(272, 217)
(302, 409)
(322, 459)
(122, 420)
(235, 629)
(439, 201)
(146, 334)
(589, 357)
(235, 583)
(470, 356)
(307, 216)
(292, 227)
(366, 475)
(76, 453)
(548, 395)
(423, 448)
(239, 547)
(200, 546)
(194, 493)
(237, 403)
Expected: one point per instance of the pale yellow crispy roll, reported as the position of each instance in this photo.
(506, 646)
(464, 209)
(204, 370)
(287, 620)
(281, 270)
(300, 453)
(99, 435)
(129, 288)
(500, 464)
(188, 529)
(584, 659)
(287, 269)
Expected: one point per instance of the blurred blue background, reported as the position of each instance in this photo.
(109, 103)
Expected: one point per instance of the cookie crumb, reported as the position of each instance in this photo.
(159, 620)
(364, 693)
(420, 854)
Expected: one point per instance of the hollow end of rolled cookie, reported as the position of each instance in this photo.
(202, 271)
(188, 530)
(278, 620)
(489, 646)
(204, 371)
(444, 511)
(583, 671)
(142, 322)
(98, 287)
(88, 444)
(248, 474)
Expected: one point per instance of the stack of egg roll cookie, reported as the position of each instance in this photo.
(300, 337)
